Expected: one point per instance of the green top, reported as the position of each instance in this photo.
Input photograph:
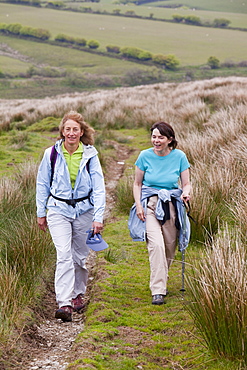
(73, 162)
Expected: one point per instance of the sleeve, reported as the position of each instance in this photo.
(184, 163)
(43, 184)
(98, 186)
(140, 162)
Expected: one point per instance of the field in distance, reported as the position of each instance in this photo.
(235, 12)
(230, 6)
(190, 44)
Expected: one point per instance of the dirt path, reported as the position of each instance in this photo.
(49, 343)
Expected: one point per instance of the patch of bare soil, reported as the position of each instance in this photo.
(47, 344)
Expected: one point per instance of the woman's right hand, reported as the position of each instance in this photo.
(140, 213)
(42, 223)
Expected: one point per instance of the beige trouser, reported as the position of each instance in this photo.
(161, 244)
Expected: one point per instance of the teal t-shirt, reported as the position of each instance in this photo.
(162, 172)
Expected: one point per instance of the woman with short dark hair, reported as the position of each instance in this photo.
(158, 199)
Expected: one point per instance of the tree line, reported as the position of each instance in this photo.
(165, 61)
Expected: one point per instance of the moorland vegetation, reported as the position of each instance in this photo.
(204, 328)
(58, 63)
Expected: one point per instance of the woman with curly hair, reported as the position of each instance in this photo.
(70, 199)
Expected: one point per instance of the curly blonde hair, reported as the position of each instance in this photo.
(88, 132)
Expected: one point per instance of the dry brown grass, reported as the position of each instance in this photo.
(209, 117)
(218, 288)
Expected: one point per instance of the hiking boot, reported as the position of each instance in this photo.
(64, 313)
(158, 299)
(78, 303)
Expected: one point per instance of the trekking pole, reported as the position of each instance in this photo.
(183, 270)
(184, 246)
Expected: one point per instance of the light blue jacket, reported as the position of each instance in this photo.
(61, 185)
(137, 227)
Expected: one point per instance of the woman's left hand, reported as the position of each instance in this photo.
(97, 227)
(185, 197)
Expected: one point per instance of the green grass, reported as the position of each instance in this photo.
(192, 45)
(13, 66)
(122, 327)
(76, 62)
(42, 88)
(15, 150)
(235, 6)
(238, 19)
(56, 56)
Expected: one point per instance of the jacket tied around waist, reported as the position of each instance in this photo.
(137, 227)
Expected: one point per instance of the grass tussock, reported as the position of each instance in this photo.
(124, 194)
(24, 251)
(218, 289)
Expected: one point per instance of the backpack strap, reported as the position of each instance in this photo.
(53, 158)
(87, 166)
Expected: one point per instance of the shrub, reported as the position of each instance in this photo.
(228, 64)
(192, 19)
(221, 22)
(14, 28)
(80, 42)
(171, 62)
(35, 2)
(3, 27)
(40, 33)
(86, 80)
(130, 13)
(116, 11)
(55, 4)
(243, 63)
(137, 76)
(130, 52)
(178, 18)
(37, 33)
(168, 61)
(145, 55)
(86, 9)
(26, 31)
(159, 59)
(64, 38)
(213, 62)
(113, 49)
(93, 44)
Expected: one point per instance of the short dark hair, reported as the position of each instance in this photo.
(166, 130)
